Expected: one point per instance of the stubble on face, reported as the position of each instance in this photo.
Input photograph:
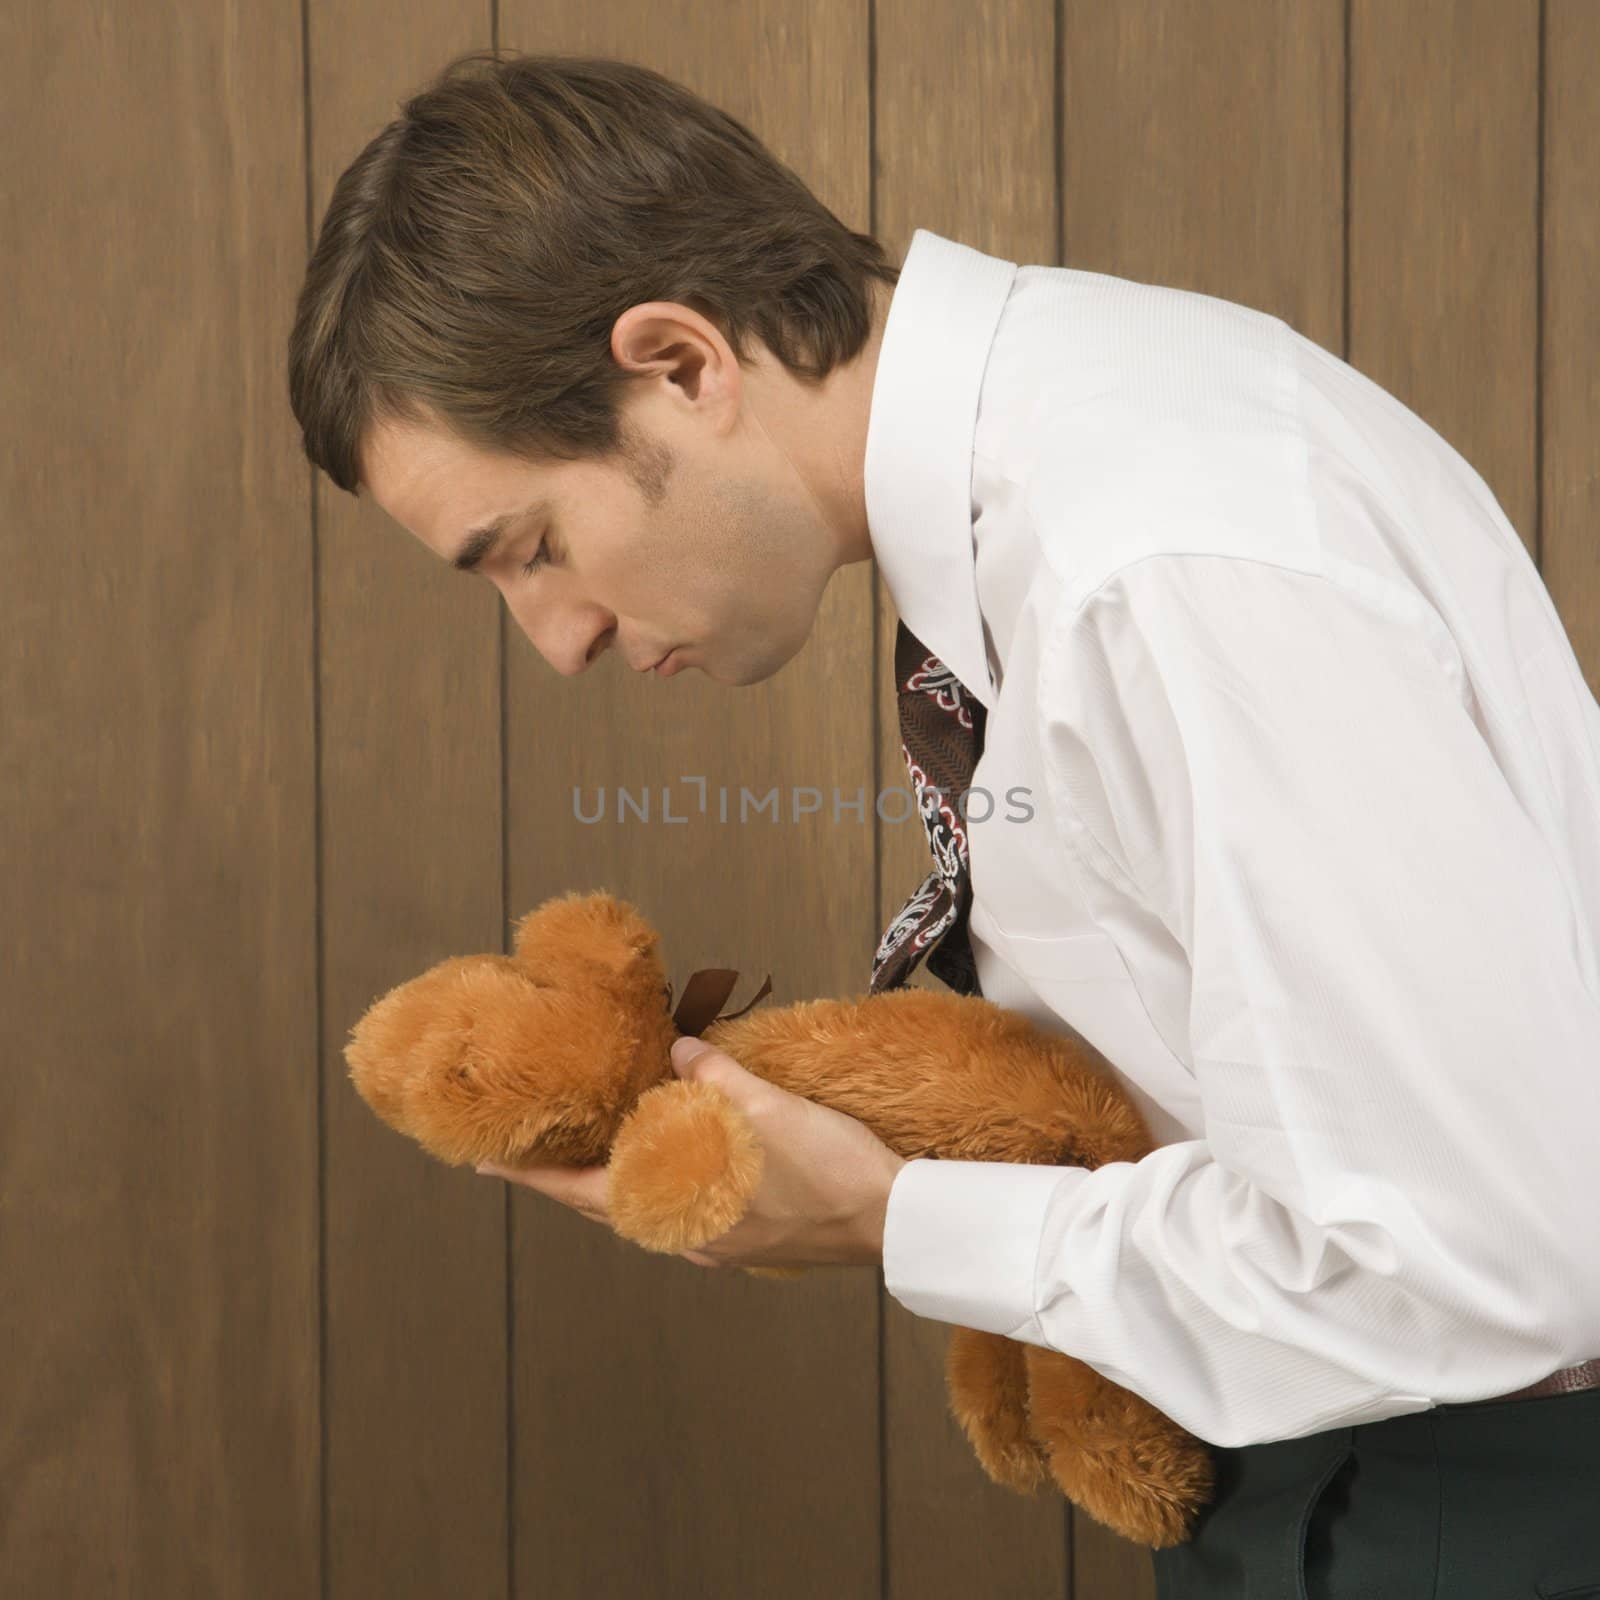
(648, 462)
(749, 586)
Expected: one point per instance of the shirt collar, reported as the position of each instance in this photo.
(918, 467)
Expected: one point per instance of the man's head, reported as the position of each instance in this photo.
(568, 288)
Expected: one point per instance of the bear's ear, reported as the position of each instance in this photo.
(572, 935)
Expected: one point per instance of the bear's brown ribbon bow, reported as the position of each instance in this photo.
(704, 996)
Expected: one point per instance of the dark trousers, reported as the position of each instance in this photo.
(1499, 1501)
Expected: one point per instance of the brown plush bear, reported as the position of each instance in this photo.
(559, 1055)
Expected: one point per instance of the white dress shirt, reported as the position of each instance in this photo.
(1309, 852)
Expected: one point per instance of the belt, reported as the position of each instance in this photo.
(1569, 1380)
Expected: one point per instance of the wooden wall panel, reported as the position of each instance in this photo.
(964, 146)
(412, 870)
(158, 983)
(1204, 149)
(1569, 458)
(736, 1418)
(1444, 237)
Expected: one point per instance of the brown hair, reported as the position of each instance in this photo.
(477, 253)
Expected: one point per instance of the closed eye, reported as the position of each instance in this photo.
(537, 560)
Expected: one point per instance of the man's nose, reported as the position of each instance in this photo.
(569, 643)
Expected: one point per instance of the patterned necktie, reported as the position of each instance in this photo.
(941, 735)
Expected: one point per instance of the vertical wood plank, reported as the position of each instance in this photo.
(158, 988)
(1202, 149)
(416, 1390)
(680, 1431)
(965, 146)
(1444, 163)
(1569, 526)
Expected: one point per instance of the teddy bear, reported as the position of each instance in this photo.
(559, 1054)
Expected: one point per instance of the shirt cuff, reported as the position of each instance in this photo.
(961, 1241)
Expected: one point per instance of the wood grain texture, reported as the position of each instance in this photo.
(1569, 453)
(1444, 162)
(736, 1419)
(158, 982)
(1203, 149)
(409, 691)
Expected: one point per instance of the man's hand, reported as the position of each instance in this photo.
(824, 1185)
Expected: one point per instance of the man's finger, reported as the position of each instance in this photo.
(582, 1188)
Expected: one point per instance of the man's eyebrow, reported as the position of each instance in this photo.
(480, 542)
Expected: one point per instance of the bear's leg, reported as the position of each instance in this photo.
(1113, 1454)
(988, 1386)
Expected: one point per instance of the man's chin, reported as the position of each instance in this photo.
(745, 674)
(748, 677)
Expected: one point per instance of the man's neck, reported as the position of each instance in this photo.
(823, 431)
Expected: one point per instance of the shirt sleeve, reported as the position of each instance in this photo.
(1392, 1039)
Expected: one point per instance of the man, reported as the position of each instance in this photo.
(1312, 858)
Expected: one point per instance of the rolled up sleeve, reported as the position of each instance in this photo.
(1397, 1055)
